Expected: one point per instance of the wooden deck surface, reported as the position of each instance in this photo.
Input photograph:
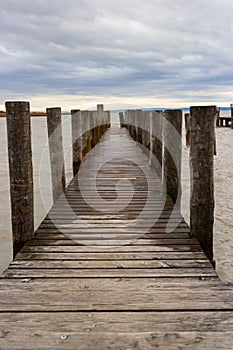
(97, 276)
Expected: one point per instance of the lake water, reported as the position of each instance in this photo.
(223, 228)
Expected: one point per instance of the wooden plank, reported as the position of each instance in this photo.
(98, 255)
(102, 264)
(103, 239)
(57, 299)
(105, 249)
(119, 272)
(56, 234)
(159, 292)
(115, 322)
(121, 341)
(114, 284)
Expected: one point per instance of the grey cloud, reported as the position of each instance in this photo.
(116, 47)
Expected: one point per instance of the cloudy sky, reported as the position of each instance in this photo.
(151, 53)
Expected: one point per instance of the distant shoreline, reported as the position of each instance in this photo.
(33, 114)
(43, 114)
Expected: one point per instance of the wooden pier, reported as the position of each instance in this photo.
(94, 277)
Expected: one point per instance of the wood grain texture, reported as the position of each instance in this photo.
(79, 283)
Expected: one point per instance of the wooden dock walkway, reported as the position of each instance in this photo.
(93, 278)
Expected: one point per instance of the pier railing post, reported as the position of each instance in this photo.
(202, 176)
(126, 114)
(121, 117)
(172, 162)
(21, 173)
(76, 139)
(156, 141)
(100, 112)
(187, 128)
(146, 128)
(231, 115)
(139, 114)
(86, 140)
(56, 151)
(93, 128)
(108, 119)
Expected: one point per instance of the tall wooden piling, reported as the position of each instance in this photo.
(146, 129)
(121, 118)
(97, 133)
(86, 140)
(202, 176)
(56, 151)
(21, 172)
(187, 128)
(108, 119)
(76, 139)
(92, 115)
(156, 141)
(172, 153)
(100, 113)
(231, 115)
(139, 118)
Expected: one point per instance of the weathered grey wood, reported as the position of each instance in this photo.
(231, 116)
(172, 153)
(109, 255)
(76, 139)
(92, 116)
(86, 139)
(202, 176)
(212, 283)
(121, 118)
(98, 299)
(117, 322)
(100, 108)
(89, 339)
(56, 151)
(101, 117)
(60, 293)
(108, 116)
(216, 121)
(139, 118)
(146, 130)
(117, 239)
(187, 128)
(119, 249)
(157, 141)
(21, 173)
(110, 264)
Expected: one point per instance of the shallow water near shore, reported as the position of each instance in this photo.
(223, 228)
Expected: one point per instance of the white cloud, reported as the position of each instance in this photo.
(175, 50)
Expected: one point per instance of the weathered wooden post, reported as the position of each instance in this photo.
(217, 117)
(86, 140)
(202, 176)
(133, 126)
(172, 153)
(187, 128)
(231, 115)
(93, 127)
(130, 113)
(100, 111)
(121, 117)
(76, 139)
(56, 151)
(126, 118)
(21, 173)
(108, 119)
(156, 141)
(146, 129)
(139, 114)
